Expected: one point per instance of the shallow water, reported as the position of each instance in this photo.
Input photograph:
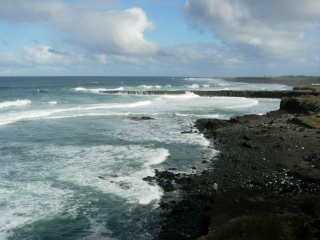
(72, 160)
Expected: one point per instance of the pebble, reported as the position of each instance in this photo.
(215, 186)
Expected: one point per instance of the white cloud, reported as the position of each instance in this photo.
(199, 53)
(251, 36)
(42, 54)
(277, 28)
(100, 31)
(39, 55)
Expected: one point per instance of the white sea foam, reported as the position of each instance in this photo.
(111, 169)
(114, 114)
(96, 90)
(215, 116)
(74, 111)
(169, 130)
(110, 106)
(242, 103)
(215, 81)
(200, 79)
(222, 84)
(224, 102)
(16, 103)
(25, 203)
(194, 86)
(26, 115)
(53, 102)
(182, 97)
(148, 87)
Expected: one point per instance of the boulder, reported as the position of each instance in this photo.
(210, 124)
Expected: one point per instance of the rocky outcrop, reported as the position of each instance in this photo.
(227, 93)
(208, 126)
(312, 121)
(307, 104)
(142, 118)
(264, 184)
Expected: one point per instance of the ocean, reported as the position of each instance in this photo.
(73, 159)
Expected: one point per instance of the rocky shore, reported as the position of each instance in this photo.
(225, 93)
(263, 184)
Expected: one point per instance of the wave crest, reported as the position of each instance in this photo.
(17, 103)
(148, 87)
(186, 96)
(96, 90)
(68, 112)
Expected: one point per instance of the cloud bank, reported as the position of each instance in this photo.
(101, 31)
(246, 37)
(273, 28)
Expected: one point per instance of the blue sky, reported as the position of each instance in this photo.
(154, 37)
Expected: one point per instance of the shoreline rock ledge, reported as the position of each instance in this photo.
(264, 184)
(224, 93)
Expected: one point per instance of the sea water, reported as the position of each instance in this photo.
(73, 159)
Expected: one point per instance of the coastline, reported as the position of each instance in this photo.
(264, 183)
(222, 93)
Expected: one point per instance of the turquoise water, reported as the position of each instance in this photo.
(72, 159)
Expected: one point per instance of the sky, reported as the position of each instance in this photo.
(159, 37)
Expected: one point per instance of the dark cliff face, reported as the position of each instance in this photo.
(307, 104)
(264, 184)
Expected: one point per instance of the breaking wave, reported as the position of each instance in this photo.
(75, 111)
(181, 97)
(96, 90)
(17, 103)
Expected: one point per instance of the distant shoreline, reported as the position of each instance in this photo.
(221, 93)
(294, 81)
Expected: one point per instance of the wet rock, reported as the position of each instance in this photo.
(143, 118)
(265, 227)
(149, 179)
(312, 157)
(211, 124)
(247, 145)
(247, 138)
(166, 179)
(215, 186)
(187, 132)
(114, 175)
(124, 185)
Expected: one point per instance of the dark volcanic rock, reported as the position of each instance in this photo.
(308, 104)
(312, 121)
(143, 118)
(211, 124)
(264, 227)
(225, 93)
(268, 173)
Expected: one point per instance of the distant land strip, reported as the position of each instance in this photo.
(224, 93)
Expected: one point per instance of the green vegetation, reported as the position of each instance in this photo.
(312, 121)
